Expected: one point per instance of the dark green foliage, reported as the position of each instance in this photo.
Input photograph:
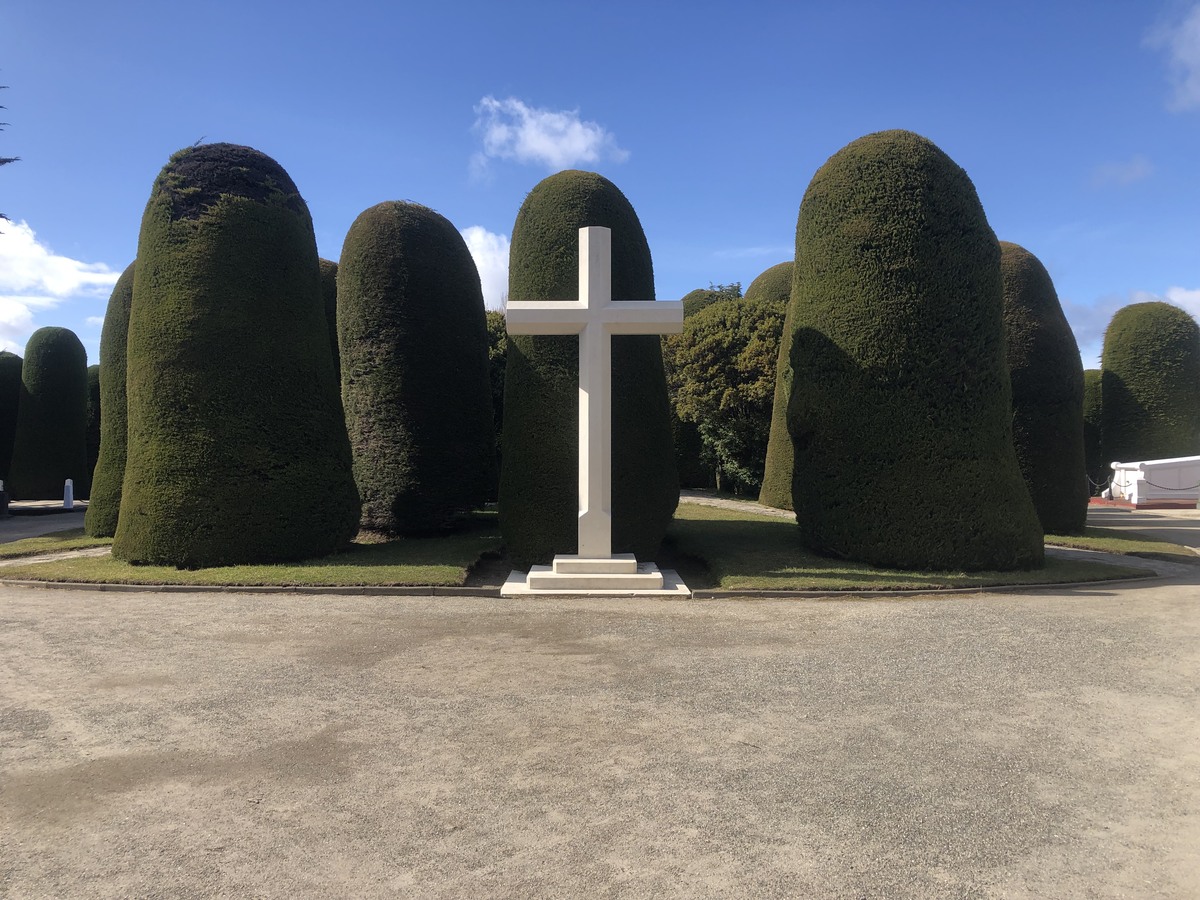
(329, 271)
(237, 451)
(1150, 371)
(1097, 466)
(104, 505)
(497, 359)
(10, 397)
(722, 378)
(1047, 393)
(900, 410)
(539, 478)
(51, 439)
(93, 430)
(414, 369)
(696, 300)
(775, 285)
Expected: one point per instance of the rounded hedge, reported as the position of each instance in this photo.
(104, 505)
(51, 440)
(1047, 393)
(694, 301)
(10, 398)
(1093, 449)
(415, 383)
(1150, 373)
(900, 409)
(237, 450)
(329, 270)
(93, 429)
(539, 474)
(776, 284)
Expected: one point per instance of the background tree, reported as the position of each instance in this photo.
(10, 397)
(5, 160)
(722, 375)
(84, 491)
(497, 335)
(1097, 467)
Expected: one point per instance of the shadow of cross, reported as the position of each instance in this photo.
(595, 318)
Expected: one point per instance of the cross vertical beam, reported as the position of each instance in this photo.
(595, 397)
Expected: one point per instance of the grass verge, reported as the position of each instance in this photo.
(717, 548)
(55, 542)
(1113, 540)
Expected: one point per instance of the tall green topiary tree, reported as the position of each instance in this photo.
(104, 504)
(1097, 466)
(900, 410)
(93, 430)
(776, 489)
(51, 439)
(415, 387)
(10, 397)
(329, 270)
(237, 450)
(1047, 393)
(1150, 371)
(538, 481)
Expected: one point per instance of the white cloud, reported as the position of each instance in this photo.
(1184, 299)
(556, 139)
(1180, 38)
(753, 252)
(95, 320)
(1121, 174)
(34, 277)
(490, 252)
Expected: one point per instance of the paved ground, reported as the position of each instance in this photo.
(1030, 745)
(16, 528)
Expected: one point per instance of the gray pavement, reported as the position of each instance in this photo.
(16, 528)
(1041, 744)
(1179, 526)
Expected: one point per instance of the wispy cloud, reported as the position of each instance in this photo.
(97, 321)
(34, 277)
(1179, 38)
(1122, 174)
(490, 252)
(555, 139)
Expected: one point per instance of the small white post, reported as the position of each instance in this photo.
(69, 495)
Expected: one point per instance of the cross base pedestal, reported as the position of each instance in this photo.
(619, 575)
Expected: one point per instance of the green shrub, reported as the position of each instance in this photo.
(93, 430)
(1150, 374)
(497, 335)
(10, 397)
(539, 477)
(1097, 466)
(414, 369)
(1047, 393)
(329, 270)
(104, 505)
(237, 451)
(722, 378)
(51, 439)
(900, 410)
(776, 491)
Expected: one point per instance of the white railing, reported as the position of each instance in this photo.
(1157, 480)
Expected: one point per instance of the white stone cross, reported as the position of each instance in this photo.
(595, 318)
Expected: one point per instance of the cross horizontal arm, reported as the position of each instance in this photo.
(570, 317)
(545, 317)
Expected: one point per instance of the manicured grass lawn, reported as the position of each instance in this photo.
(712, 547)
(749, 551)
(1113, 540)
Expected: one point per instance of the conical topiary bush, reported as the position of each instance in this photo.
(51, 440)
(10, 397)
(539, 474)
(776, 488)
(329, 270)
(104, 505)
(237, 450)
(415, 381)
(900, 409)
(1097, 466)
(1150, 374)
(1047, 393)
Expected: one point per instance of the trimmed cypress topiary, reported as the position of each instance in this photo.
(10, 397)
(237, 451)
(329, 270)
(93, 430)
(694, 301)
(539, 476)
(1047, 393)
(104, 504)
(1150, 372)
(900, 410)
(773, 287)
(1097, 467)
(776, 488)
(51, 439)
(415, 382)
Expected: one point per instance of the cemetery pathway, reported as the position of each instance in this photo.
(1040, 744)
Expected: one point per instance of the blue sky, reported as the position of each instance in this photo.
(1079, 123)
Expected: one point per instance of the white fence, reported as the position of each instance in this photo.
(1157, 480)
